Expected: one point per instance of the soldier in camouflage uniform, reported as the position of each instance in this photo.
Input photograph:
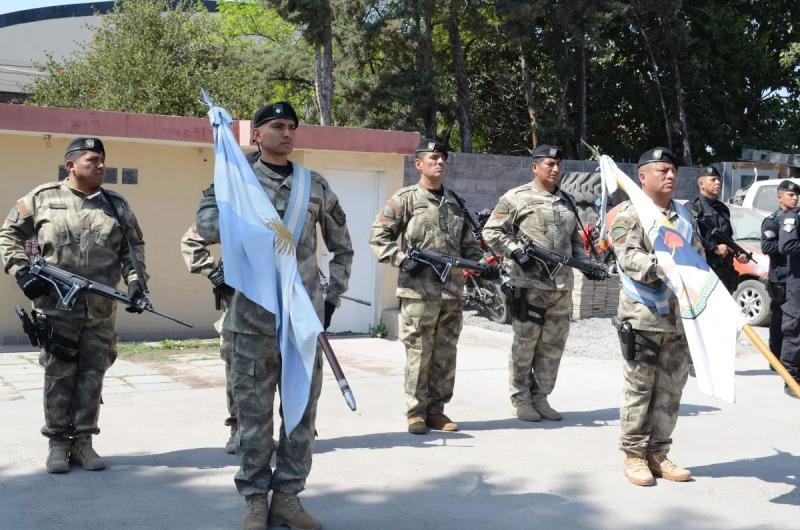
(256, 358)
(77, 231)
(431, 217)
(546, 215)
(199, 260)
(655, 378)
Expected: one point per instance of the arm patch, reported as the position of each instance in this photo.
(339, 215)
(618, 232)
(13, 215)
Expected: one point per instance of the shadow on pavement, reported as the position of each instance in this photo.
(387, 440)
(780, 468)
(765, 371)
(590, 418)
(198, 458)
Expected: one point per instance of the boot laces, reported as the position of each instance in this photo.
(257, 504)
(293, 504)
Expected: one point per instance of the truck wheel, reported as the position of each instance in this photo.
(753, 300)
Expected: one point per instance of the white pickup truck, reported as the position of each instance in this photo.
(763, 195)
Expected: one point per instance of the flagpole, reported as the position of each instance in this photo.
(759, 343)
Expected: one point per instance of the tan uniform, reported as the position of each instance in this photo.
(199, 260)
(549, 222)
(652, 392)
(78, 233)
(430, 312)
(256, 360)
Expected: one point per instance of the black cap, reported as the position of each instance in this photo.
(86, 144)
(788, 185)
(547, 151)
(709, 171)
(432, 146)
(658, 154)
(274, 111)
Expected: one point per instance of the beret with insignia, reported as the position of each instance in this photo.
(428, 145)
(86, 144)
(547, 151)
(274, 111)
(709, 171)
(658, 154)
(788, 185)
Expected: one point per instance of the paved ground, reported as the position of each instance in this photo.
(162, 437)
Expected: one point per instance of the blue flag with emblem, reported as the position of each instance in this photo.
(258, 249)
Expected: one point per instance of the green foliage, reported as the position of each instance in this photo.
(378, 330)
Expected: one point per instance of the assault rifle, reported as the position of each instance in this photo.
(442, 263)
(721, 238)
(69, 284)
(552, 262)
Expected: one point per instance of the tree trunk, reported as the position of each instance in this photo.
(462, 81)
(581, 81)
(681, 102)
(323, 75)
(527, 88)
(657, 79)
(425, 65)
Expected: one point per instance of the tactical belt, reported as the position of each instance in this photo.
(635, 346)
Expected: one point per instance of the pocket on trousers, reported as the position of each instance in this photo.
(244, 366)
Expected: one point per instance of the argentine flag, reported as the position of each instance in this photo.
(259, 255)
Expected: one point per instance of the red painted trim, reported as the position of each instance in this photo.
(79, 122)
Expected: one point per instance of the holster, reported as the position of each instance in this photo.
(522, 310)
(41, 332)
(777, 292)
(635, 346)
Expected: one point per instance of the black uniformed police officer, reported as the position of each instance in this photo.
(789, 246)
(778, 265)
(712, 213)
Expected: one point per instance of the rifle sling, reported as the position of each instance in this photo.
(137, 266)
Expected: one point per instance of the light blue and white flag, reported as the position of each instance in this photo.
(259, 255)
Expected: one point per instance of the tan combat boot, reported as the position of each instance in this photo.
(255, 512)
(230, 445)
(416, 425)
(662, 467)
(637, 472)
(543, 407)
(286, 510)
(85, 455)
(440, 422)
(526, 412)
(58, 456)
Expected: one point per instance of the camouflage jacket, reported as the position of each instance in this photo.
(547, 220)
(416, 216)
(199, 260)
(245, 316)
(636, 258)
(75, 232)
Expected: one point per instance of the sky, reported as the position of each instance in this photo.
(9, 6)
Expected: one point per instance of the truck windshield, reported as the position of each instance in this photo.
(746, 223)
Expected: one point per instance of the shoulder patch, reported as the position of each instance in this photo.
(13, 215)
(769, 234)
(388, 212)
(619, 231)
(338, 215)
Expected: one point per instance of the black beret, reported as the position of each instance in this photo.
(430, 146)
(709, 171)
(658, 154)
(273, 111)
(86, 144)
(547, 151)
(788, 185)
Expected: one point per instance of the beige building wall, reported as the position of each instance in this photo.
(172, 176)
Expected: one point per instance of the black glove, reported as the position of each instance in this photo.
(32, 285)
(412, 266)
(491, 273)
(522, 259)
(329, 309)
(136, 294)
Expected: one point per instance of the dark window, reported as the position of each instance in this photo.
(62, 173)
(130, 176)
(111, 175)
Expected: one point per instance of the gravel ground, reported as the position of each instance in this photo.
(588, 337)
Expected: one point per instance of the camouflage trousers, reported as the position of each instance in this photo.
(255, 376)
(537, 348)
(429, 329)
(72, 390)
(225, 348)
(652, 396)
